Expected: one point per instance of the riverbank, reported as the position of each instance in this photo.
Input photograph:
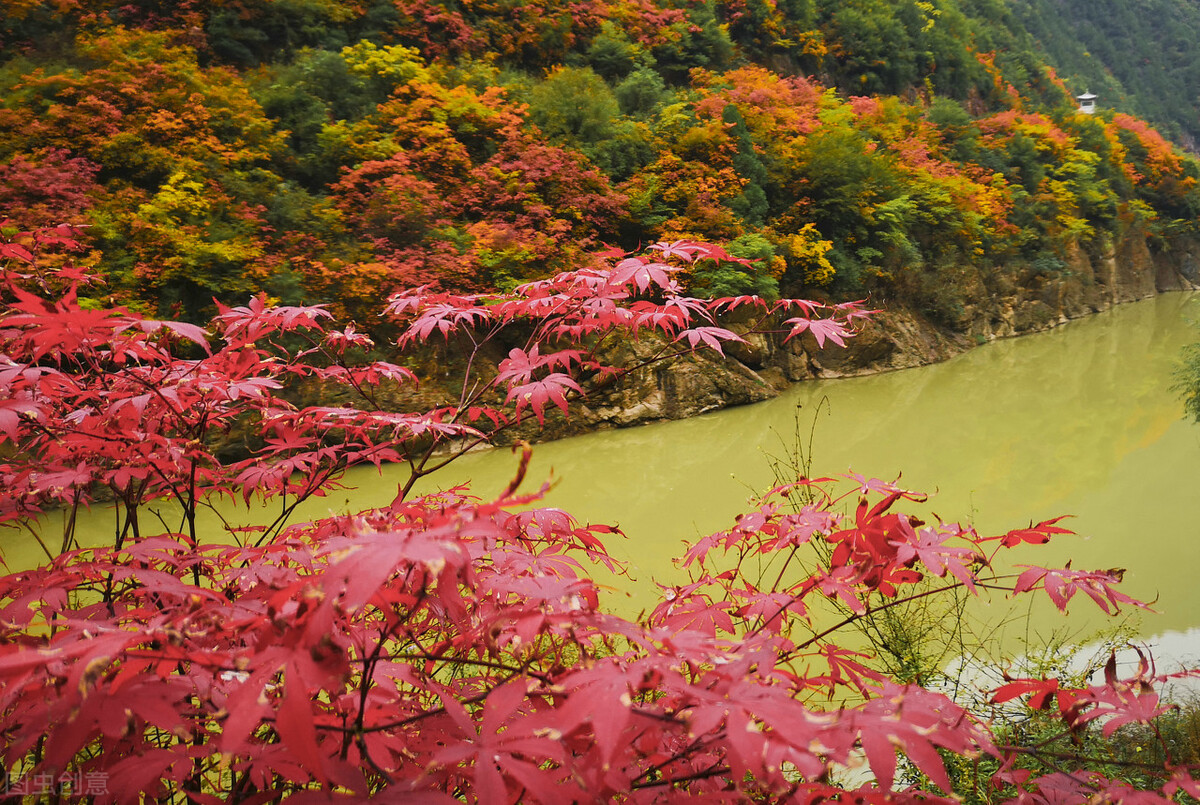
(985, 304)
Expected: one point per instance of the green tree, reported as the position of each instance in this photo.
(716, 278)
(574, 105)
(642, 93)
(751, 205)
(611, 53)
(700, 42)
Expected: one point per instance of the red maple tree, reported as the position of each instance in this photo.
(443, 648)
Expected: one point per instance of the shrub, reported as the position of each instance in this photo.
(443, 648)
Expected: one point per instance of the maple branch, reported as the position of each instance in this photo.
(1048, 759)
(715, 770)
(28, 526)
(515, 671)
(368, 671)
(360, 740)
(276, 526)
(893, 603)
(692, 747)
(465, 396)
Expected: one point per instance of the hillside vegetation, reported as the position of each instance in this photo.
(1140, 56)
(331, 152)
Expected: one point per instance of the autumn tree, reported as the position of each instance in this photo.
(443, 648)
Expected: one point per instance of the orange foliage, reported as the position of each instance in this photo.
(1049, 136)
(645, 21)
(1161, 158)
(773, 106)
(1003, 88)
(695, 189)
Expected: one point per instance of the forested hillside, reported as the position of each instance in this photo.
(332, 152)
(1140, 56)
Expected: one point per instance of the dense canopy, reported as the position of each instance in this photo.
(332, 152)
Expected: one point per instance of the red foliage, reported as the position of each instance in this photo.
(47, 188)
(769, 103)
(439, 216)
(1161, 159)
(540, 187)
(390, 200)
(1006, 124)
(439, 648)
(646, 21)
(536, 32)
(437, 30)
(1156, 164)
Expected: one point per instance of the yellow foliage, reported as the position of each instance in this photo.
(808, 251)
(394, 62)
(812, 43)
(179, 200)
(930, 13)
(674, 120)
(18, 9)
(354, 142)
(334, 10)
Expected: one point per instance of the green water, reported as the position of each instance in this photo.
(1080, 420)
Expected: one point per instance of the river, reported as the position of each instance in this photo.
(1080, 420)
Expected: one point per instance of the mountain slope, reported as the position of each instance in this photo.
(330, 152)
(1139, 55)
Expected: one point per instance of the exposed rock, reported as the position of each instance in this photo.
(794, 362)
(753, 352)
(893, 339)
(676, 390)
(1177, 267)
(987, 306)
(994, 306)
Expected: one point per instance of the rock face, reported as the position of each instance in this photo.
(681, 388)
(987, 306)
(1003, 306)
